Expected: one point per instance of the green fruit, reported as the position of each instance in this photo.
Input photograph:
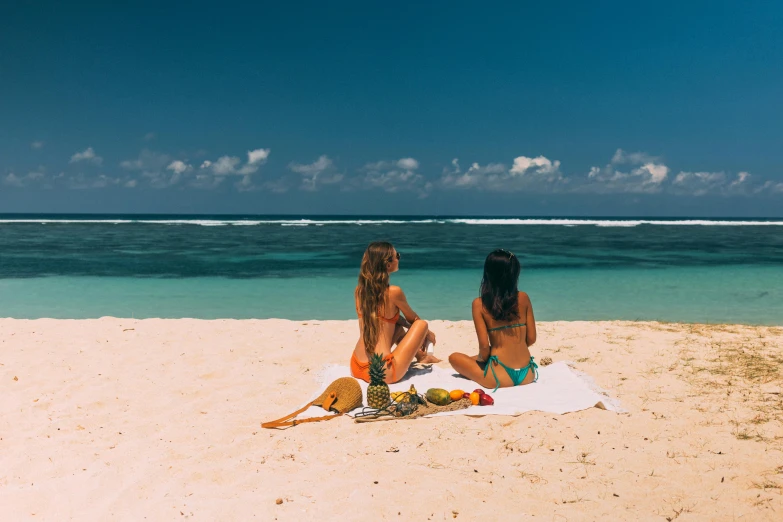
(438, 396)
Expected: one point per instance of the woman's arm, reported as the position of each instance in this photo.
(531, 322)
(399, 300)
(481, 330)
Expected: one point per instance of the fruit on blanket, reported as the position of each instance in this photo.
(486, 400)
(438, 396)
(378, 395)
(415, 397)
(466, 395)
(408, 396)
(456, 394)
(475, 398)
(479, 391)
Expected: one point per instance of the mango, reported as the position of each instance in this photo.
(438, 396)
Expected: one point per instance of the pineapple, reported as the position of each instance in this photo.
(378, 395)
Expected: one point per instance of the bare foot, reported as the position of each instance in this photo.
(427, 359)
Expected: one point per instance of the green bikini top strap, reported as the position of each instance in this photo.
(504, 327)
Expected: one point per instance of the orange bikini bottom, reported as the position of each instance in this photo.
(362, 370)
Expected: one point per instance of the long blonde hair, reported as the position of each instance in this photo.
(371, 290)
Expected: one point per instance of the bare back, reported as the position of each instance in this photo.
(508, 340)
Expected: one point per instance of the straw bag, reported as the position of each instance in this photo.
(341, 396)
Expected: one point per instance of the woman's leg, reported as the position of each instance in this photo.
(467, 366)
(421, 354)
(406, 350)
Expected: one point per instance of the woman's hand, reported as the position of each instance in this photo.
(430, 337)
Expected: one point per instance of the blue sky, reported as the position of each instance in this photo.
(665, 108)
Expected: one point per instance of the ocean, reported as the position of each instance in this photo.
(305, 267)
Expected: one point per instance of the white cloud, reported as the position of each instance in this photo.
(230, 165)
(698, 183)
(88, 156)
(225, 165)
(704, 183)
(206, 180)
(634, 158)
(37, 176)
(485, 178)
(257, 156)
(12, 180)
(408, 164)
(149, 136)
(104, 181)
(148, 161)
(310, 169)
(245, 184)
(37, 145)
(320, 172)
(159, 170)
(395, 176)
(179, 167)
(773, 187)
(247, 169)
(131, 183)
(647, 176)
(658, 173)
(532, 174)
(742, 184)
(538, 166)
(82, 181)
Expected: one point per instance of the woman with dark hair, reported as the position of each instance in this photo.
(381, 326)
(506, 328)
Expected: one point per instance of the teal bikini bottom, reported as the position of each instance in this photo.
(517, 375)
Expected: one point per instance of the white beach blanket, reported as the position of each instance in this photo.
(559, 389)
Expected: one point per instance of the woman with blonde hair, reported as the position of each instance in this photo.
(378, 305)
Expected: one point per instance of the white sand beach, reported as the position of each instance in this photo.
(121, 419)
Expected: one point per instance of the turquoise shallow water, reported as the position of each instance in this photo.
(296, 268)
(714, 295)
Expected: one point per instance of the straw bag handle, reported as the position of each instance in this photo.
(283, 422)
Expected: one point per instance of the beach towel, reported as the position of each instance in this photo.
(560, 388)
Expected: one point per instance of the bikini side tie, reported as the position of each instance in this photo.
(494, 359)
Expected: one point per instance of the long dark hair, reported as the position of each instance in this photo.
(499, 285)
(371, 290)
